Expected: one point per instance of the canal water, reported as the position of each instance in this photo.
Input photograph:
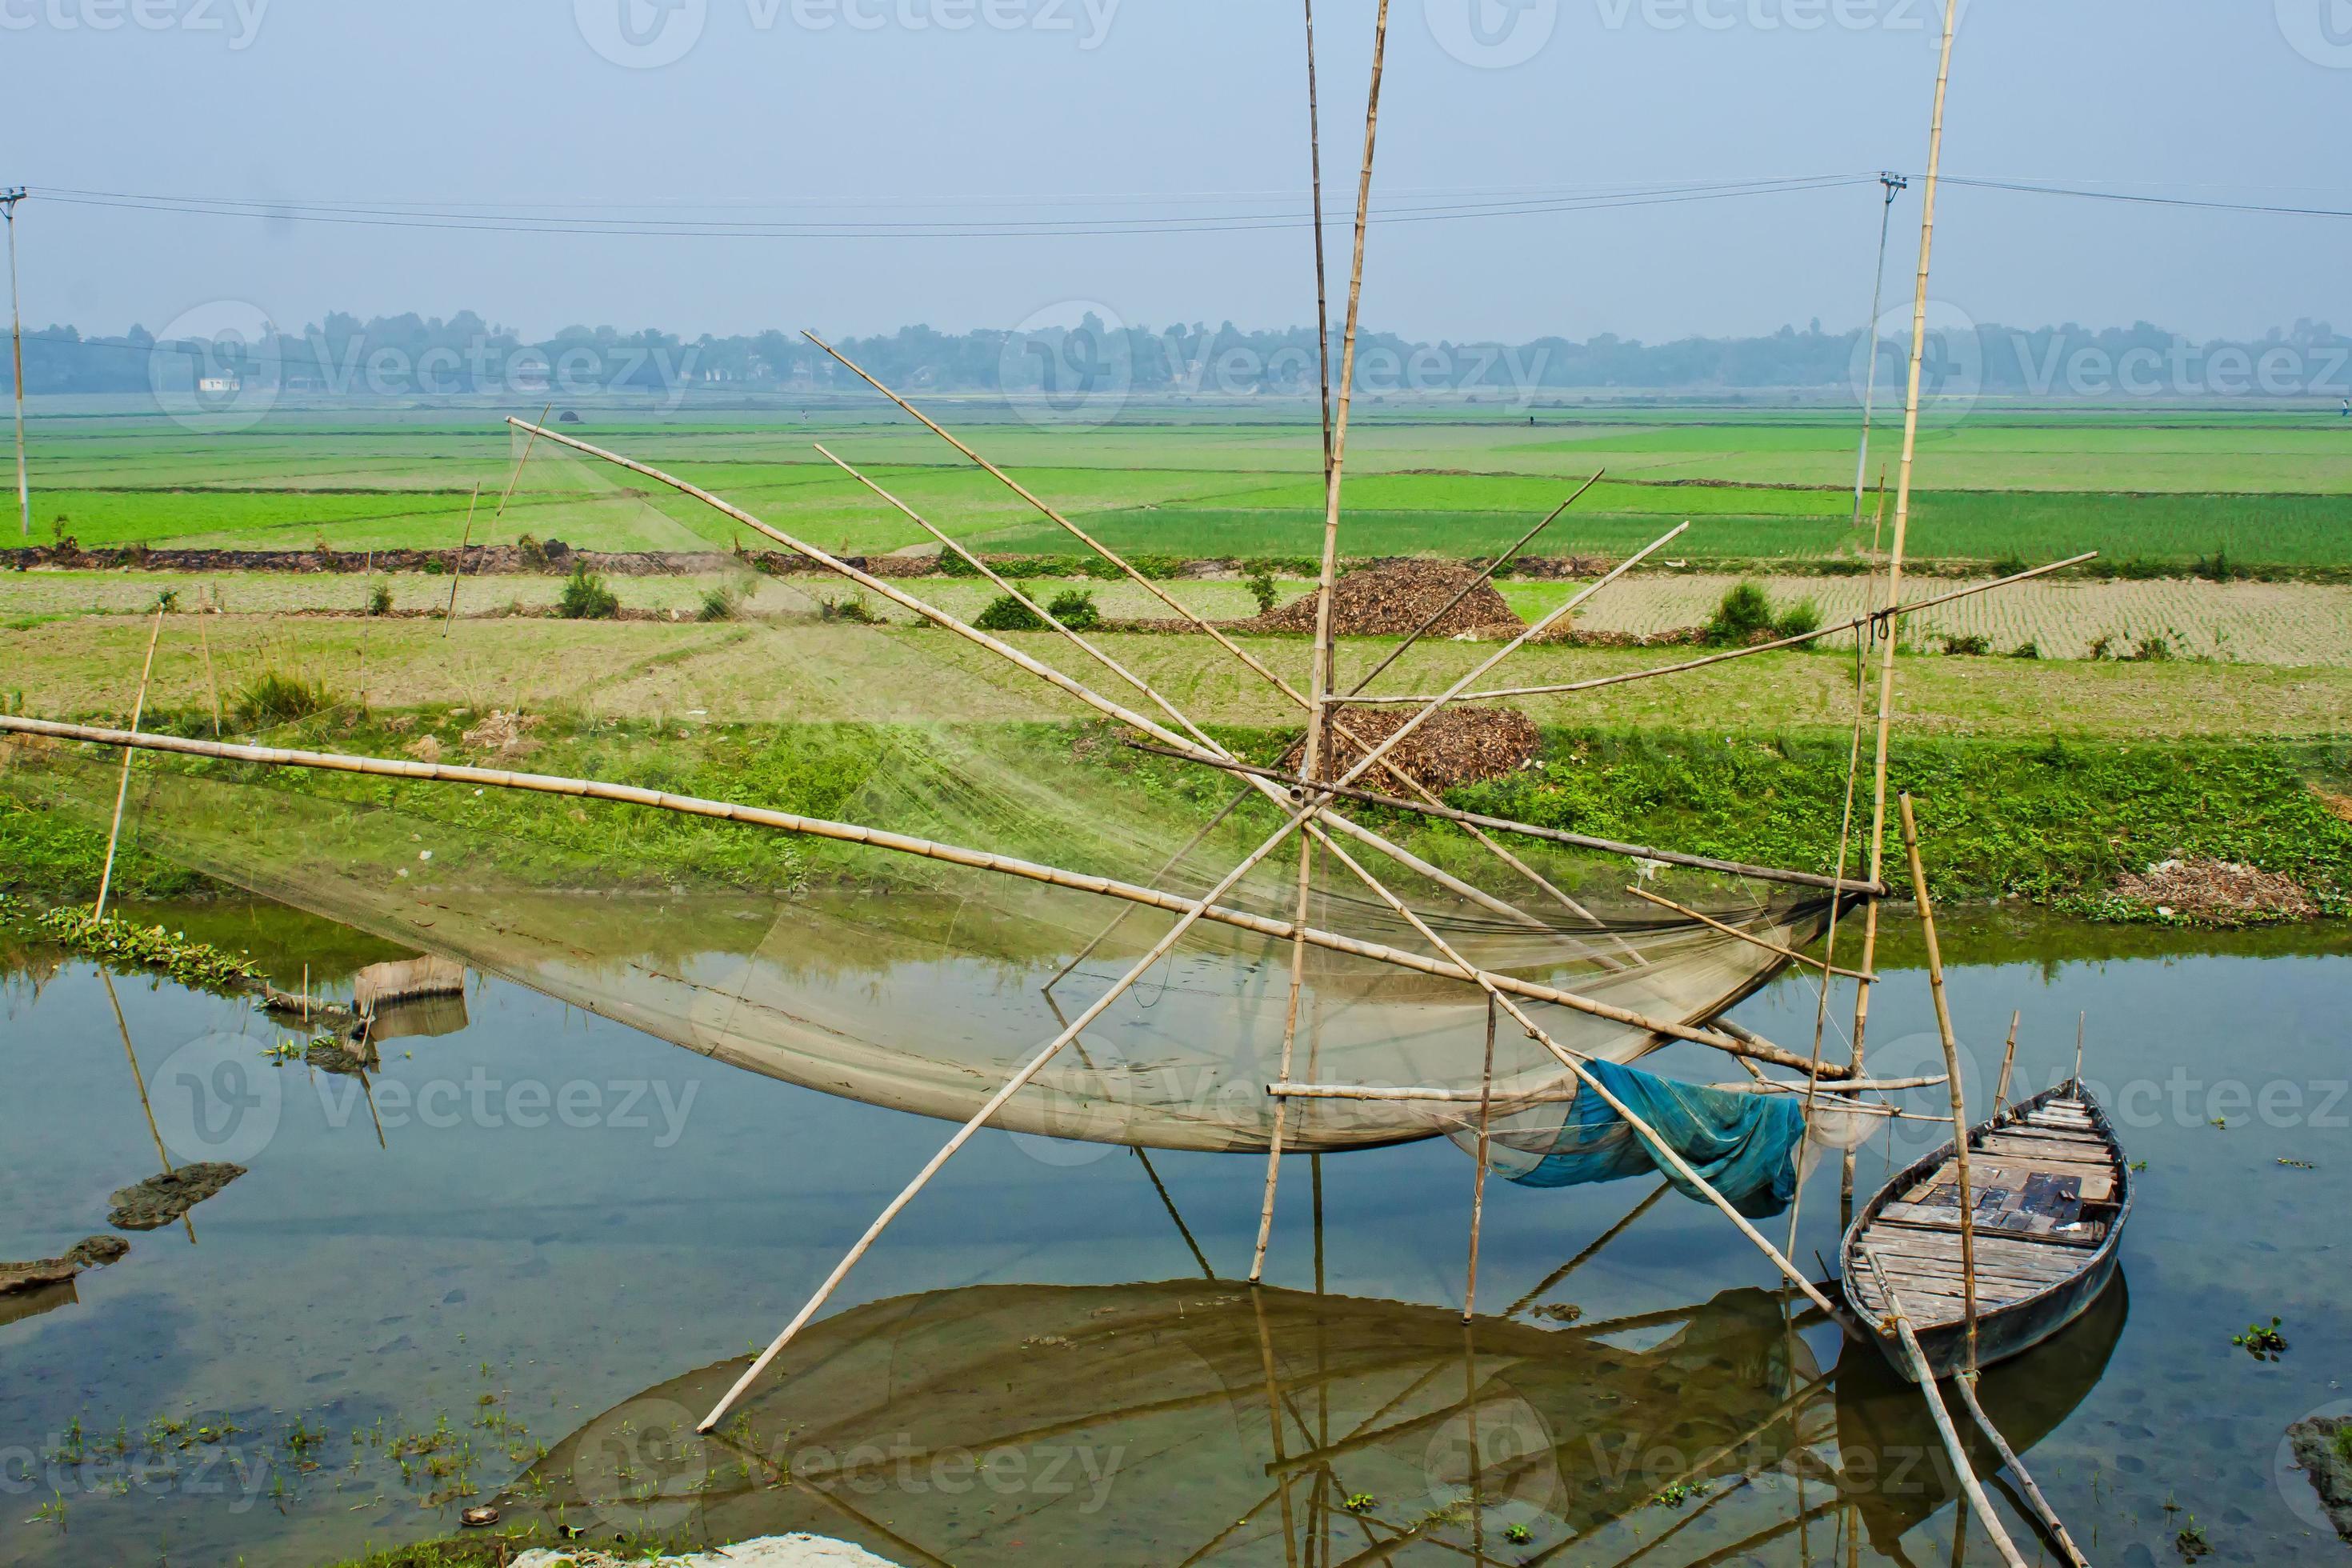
(514, 1263)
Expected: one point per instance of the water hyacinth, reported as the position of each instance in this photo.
(189, 963)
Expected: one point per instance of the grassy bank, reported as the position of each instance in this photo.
(2053, 822)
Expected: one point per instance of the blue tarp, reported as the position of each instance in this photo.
(1742, 1145)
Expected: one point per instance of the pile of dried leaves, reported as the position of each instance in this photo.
(1457, 746)
(2215, 892)
(1395, 599)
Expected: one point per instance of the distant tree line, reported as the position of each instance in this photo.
(412, 356)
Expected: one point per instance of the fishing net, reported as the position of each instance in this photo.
(907, 979)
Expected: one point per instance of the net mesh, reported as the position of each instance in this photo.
(911, 982)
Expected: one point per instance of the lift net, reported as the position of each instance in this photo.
(883, 977)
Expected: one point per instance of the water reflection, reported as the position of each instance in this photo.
(1199, 1421)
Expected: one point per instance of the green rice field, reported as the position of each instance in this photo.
(2149, 490)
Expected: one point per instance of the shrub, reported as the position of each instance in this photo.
(585, 598)
(1800, 619)
(1262, 589)
(380, 599)
(2152, 650)
(1744, 615)
(719, 604)
(1007, 614)
(1074, 608)
(2103, 646)
(2026, 650)
(1967, 645)
(273, 698)
(533, 554)
(168, 601)
(954, 565)
(2009, 567)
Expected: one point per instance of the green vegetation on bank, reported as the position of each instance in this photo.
(2051, 821)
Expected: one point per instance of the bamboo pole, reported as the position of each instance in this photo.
(1479, 1186)
(514, 475)
(1958, 1088)
(458, 572)
(1777, 645)
(1792, 954)
(1942, 1418)
(1322, 289)
(1169, 1203)
(996, 1103)
(122, 789)
(1549, 834)
(1554, 1092)
(2081, 1022)
(1893, 625)
(2056, 1527)
(204, 642)
(2008, 1060)
(879, 839)
(1319, 714)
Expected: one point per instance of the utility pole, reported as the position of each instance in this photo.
(9, 200)
(1895, 184)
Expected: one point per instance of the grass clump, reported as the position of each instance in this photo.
(379, 600)
(720, 604)
(273, 698)
(586, 598)
(853, 608)
(1968, 644)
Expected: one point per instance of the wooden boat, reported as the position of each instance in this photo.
(2052, 1193)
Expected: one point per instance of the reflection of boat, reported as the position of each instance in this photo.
(1894, 1464)
(1197, 1420)
(2050, 1192)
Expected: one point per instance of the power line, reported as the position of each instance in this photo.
(2036, 188)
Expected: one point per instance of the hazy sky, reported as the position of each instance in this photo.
(868, 111)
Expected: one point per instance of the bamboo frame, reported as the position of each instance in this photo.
(899, 843)
(1549, 834)
(122, 789)
(1478, 1184)
(1958, 1088)
(1962, 1472)
(2051, 1523)
(1550, 1093)
(1472, 587)
(204, 643)
(1888, 615)
(1791, 953)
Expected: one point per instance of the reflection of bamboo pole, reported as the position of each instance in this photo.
(2008, 1060)
(1957, 1089)
(1478, 1187)
(1289, 1042)
(122, 789)
(1942, 1418)
(1169, 1204)
(1967, 1385)
(1573, 1263)
(123, 1028)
